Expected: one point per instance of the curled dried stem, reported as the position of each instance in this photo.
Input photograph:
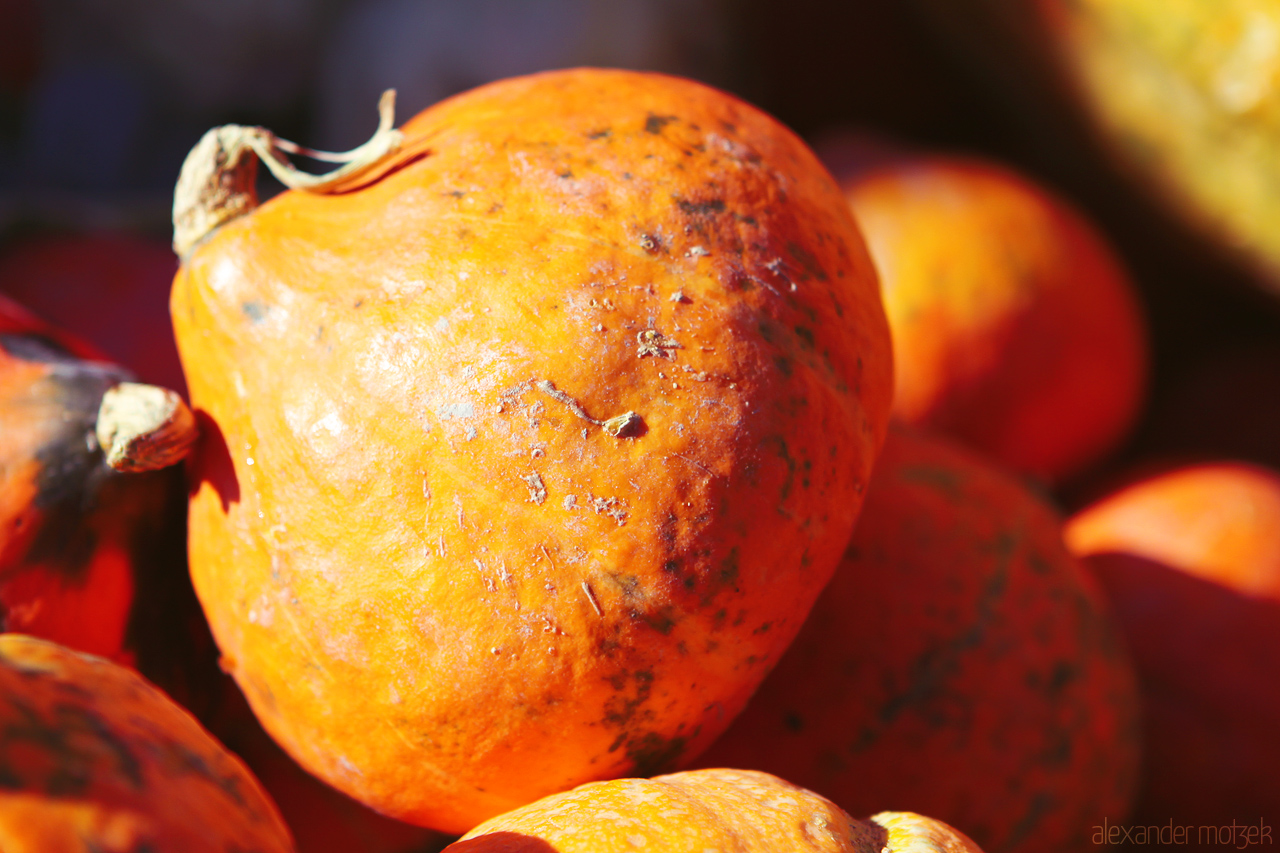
(217, 181)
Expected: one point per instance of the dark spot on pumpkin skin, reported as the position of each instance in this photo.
(793, 721)
(36, 348)
(651, 753)
(254, 310)
(655, 123)
(807, 260)
(622, 709)
(71, 478)
(937, 477)
(931, 669)
(783, 364)
(763, 628)
(603, 133)
(79, 741)
(699, 208)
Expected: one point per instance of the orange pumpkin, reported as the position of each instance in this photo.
(67, 522)
(1190, 558)
(960, 663)
(1015, 328)
(700, 810)
(89, 557)
(94, 758)
(530, 448)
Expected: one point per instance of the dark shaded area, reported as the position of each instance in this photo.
(504, 842)
(1206, 657)
(212, 458)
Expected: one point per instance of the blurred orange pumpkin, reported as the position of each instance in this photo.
(94, 758)
(1190, 558)
(960, 663)
(1015, 327)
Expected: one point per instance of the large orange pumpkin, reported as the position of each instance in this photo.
(700, 810)
(1190, 557)
(529, 450)
(960, 663)
(94, 758)
(1015, 327)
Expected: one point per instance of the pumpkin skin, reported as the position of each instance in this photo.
(960, 663)
(1190, 558)
(111, 290)
(71, 530)
(97, 759)
(1015, 328)
(699, 810)
(321, 819)
(442, 588)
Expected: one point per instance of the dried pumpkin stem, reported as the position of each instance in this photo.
(144, 427)
(217, 181)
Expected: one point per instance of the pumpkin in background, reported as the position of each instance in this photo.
(68, 524)
(1190, 557)
(111, 290)
(89, 557)
(1015, 327)
(700, 810)
(1182, 95)
(95, 758)
(960, 663)
(1187, 97)
(530, 449)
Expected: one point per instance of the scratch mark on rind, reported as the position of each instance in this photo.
(591, 597)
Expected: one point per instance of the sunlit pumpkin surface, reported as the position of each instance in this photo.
(525, 458)
(743, 811)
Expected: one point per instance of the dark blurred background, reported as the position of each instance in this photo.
(101, 99)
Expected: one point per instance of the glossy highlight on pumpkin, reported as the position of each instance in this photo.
(527, 454)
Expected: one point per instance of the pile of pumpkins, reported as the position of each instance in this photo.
(581, 466)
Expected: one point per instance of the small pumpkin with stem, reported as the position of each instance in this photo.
(699, 810)
(531, 439)
(82, 543)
